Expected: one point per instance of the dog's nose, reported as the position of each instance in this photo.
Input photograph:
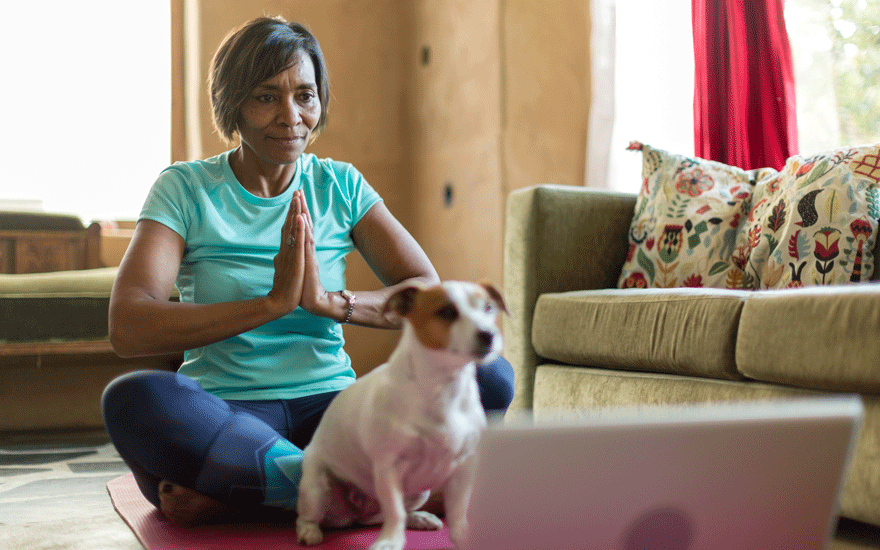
(484, 339)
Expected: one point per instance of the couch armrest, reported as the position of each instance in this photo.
(557, 239)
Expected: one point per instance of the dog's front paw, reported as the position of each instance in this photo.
(308, 532)
(388, 544)
(423, 521)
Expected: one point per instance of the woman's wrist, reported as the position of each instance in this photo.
(328, 304)
(275, 307)
(336, 306)
(350, 299)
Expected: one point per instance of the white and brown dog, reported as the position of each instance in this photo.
(409, 426)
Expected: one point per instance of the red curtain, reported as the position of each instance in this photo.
(744, 104)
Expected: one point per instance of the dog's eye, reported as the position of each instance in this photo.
(488, 308)
(448, 313)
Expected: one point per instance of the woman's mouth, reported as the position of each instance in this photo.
(287, 141)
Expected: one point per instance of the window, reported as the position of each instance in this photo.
(654, 85)
(87, 103)
(836, 50)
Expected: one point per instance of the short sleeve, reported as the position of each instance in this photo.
(169, 203)
(361, 193)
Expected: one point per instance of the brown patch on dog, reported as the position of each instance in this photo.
(431, 330)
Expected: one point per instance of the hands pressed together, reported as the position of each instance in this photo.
(297, 281)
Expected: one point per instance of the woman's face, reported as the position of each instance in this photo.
(278, 116)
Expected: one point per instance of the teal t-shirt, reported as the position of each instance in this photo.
(232, 237)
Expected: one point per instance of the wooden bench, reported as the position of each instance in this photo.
(36, 242)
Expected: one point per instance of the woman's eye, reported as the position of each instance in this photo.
(307, 97)
(447, 313)
(265, 98)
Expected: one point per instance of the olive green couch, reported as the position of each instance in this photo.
(577, 342)
(55, 355)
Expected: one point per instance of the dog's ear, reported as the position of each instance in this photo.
(495, 295)
(401, 302)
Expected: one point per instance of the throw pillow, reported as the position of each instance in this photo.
(687, 218)
(814, 223)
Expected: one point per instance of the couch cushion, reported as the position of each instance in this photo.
(61, 305)
(84, 282)
(683, 331)
(818, 337)
(564, 390)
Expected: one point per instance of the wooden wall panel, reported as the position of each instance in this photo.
(178, 87)
(456, 93)
(463, 238)
(546, 92)
(455, 127)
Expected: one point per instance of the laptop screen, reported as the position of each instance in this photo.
(747, 475)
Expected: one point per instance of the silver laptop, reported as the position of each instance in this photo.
(734, 476)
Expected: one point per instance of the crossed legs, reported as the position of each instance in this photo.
(199, 458)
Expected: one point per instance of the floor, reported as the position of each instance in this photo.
(53, 496)
(53, 493)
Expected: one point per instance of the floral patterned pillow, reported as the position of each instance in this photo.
(687, 219)
(814, 223)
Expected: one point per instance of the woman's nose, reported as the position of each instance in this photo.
(289, 114)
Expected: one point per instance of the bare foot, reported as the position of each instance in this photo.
(186, 507)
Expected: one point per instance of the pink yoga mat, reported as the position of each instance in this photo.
(157, 533)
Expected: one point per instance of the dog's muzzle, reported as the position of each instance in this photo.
(484, 344)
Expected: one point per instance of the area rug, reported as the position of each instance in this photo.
(155, 532)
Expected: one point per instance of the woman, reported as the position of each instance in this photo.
(255, 240)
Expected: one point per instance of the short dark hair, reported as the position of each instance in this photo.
(253, 53)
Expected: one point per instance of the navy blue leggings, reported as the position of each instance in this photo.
(165, 426)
